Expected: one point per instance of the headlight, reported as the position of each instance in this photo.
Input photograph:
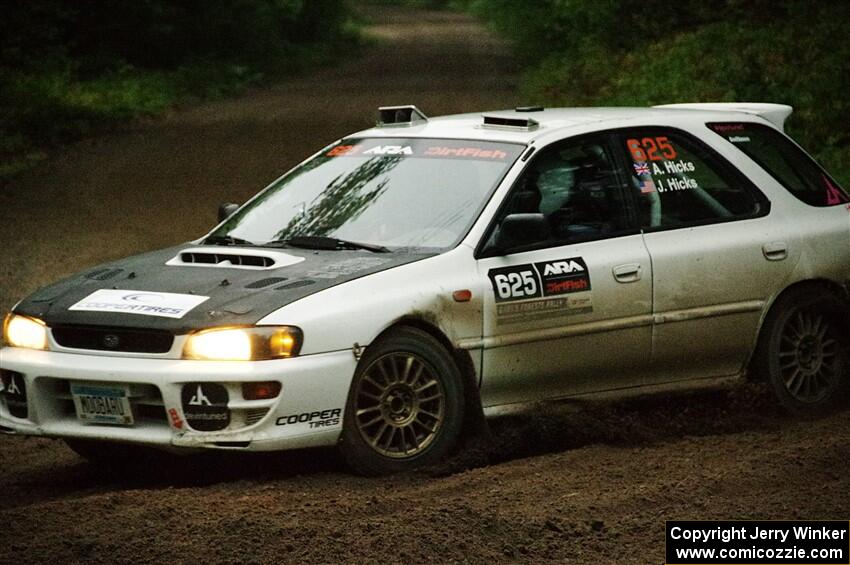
(22, 331)
(244, 344)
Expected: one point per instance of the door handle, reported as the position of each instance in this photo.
(775, 251)
(630, 272)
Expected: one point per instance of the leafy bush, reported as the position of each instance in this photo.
(67, 67)
(625, 52)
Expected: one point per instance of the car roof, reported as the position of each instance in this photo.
(549, 120)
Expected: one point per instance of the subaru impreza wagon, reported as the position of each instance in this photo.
(413, 278)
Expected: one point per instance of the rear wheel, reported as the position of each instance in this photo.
(803, 350)
(405, 406)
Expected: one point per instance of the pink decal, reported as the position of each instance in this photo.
(833, 195)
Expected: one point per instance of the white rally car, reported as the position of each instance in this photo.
(408, 279)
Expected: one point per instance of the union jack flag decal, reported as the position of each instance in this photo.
(641, 169)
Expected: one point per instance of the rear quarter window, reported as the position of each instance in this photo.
(784, 161)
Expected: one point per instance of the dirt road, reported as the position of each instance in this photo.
(587, 487)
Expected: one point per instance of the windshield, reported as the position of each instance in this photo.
(393, 193)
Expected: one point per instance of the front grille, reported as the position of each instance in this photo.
(113, 339)
(254, 415)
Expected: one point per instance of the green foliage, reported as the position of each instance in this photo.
(626, 52)
(68, 67)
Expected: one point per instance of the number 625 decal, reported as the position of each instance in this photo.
(516, 284)
(537, 280)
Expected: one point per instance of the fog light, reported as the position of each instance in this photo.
(260, 391)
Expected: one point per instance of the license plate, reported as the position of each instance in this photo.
(97, 404)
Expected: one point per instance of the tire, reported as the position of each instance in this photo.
(803, 352)
(405, 407)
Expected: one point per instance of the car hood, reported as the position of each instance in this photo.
(235, 295)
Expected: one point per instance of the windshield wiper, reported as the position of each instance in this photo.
(226, 240)
(327, 243)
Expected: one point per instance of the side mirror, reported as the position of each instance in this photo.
(226, 210)
(517, 230)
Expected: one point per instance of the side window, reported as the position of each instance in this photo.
(789, 165)
(575, 185)
(680, 182)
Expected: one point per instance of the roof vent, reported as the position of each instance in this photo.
(510, 122)
(257, 259)
(400, 116)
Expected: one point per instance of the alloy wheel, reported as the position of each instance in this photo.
(400, 404)
(809, 356)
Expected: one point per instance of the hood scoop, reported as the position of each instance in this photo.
(233, 258)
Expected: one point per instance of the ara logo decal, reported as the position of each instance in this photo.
(564, 276)
(390, 150)
(562, 267)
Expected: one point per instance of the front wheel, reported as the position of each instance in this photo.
(405, 406)
(803, 350)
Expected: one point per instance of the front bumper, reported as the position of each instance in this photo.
(306, 413)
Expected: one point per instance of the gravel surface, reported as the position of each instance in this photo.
(590, 486)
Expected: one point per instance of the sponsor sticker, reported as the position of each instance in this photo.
(443, 149)
(390, 150)
(833, 195)
(317, 419)
(466, 153)
(537, 280)
(144, 303)
(205, 406)
(537, 290)
(176, 420)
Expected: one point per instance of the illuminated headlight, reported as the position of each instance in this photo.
(22, 331)
(244, 344)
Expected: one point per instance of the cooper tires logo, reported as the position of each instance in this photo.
(150, 303)
(142, 298)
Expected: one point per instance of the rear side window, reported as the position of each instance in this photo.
(786, 162)
(678, 181)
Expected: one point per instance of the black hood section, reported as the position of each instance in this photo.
(236, 296)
